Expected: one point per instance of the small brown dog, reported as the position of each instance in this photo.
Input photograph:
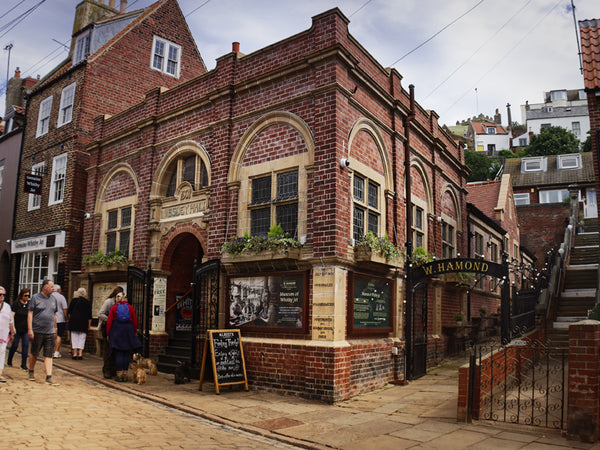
(139, 376)
(145, 363)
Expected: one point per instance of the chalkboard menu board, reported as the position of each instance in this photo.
(371, 303)
(227, 358)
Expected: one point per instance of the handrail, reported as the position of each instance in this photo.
(562, 257)
(177, 302)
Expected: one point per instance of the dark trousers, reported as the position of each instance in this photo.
(109, 369)
(24, 338)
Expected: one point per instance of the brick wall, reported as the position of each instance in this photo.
(543, 227)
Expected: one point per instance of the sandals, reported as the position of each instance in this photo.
(2, 379)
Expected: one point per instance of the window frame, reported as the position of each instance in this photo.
(563, 161)
(448, 245)
(82, 47)
(58, 180)
(545, 195)
(366, 206)
(35, 200)
(274, 204)
(43, 122)
(119, 230)
(165, 57)
(419, 232)
(533, 164)
(521, 198)
(67, 95)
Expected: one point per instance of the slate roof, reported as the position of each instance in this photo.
(568, 111)
(484, 195)
(589, 31)
(478, 127)
(552, 176)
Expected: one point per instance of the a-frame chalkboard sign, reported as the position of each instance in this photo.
(227, 358)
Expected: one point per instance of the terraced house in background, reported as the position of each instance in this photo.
(115, 57)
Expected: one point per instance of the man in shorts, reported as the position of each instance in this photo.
(41, 326)
(61, 318)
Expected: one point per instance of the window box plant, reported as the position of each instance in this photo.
(99, 262)
(276, 245)
(378, 249)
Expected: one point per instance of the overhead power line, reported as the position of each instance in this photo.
(426, 41)
(13, 23)
(505, 55)
(478, 49)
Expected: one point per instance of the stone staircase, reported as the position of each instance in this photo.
(578, 296)
(178, 349)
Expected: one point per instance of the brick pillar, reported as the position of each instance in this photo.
(583, 411)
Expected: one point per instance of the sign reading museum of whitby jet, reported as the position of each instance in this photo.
(455, 265)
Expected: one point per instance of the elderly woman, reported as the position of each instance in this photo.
(80, 320)
(7, 329)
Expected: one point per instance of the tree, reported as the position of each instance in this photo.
(587, 144)
(482, 168)
(517, 129)
(553, 141)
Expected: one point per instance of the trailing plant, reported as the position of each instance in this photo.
(421, 256)
(381, 245)
(482, 311)
(466, 277)
(276, 239)
(100, 259)
(458, 317)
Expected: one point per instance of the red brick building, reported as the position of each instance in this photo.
(311, 133)
(115, 58)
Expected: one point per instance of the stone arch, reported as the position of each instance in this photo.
(269, 119)
(417, 164)
(177, 150)
(110, 175)
(175, 234)
(451, 191)
(367, 125)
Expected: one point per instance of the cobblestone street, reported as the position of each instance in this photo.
(82, 414)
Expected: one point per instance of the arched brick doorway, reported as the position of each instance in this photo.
(179, 259)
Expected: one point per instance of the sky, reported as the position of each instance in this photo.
(464, 57)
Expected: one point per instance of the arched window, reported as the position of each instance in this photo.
(190, 168)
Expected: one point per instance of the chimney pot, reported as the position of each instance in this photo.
(18, 73)
(123, 6)
(111, 3)
(235, 47)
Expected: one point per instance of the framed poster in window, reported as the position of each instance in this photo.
(371, 304)
(274, 301)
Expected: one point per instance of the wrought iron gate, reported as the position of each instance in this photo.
(205, 306)
(519, 384)
(418, 352)
(139, 288)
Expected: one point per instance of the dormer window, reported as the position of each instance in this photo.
(570, 161)
(166, 56)
(491, 130)
(536, 164)
(558, 95)
(82, 48)
(547, 109)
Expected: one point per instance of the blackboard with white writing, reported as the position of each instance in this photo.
(227, 358)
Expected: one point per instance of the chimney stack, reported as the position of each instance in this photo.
(111, 3)
(497, 118)
(235, 47)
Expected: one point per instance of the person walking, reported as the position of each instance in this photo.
(61, 318)
(41, 327)
(7, 329)
(79, 316)
(19, 310)
(122, 334)
(108, 369)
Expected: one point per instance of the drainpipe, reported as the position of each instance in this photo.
(409, 244)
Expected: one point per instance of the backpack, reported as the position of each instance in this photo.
(122, 312)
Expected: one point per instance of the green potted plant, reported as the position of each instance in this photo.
(482, 311)
(370, 244)
(100, 261)
(458, 317)
(276, 242)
